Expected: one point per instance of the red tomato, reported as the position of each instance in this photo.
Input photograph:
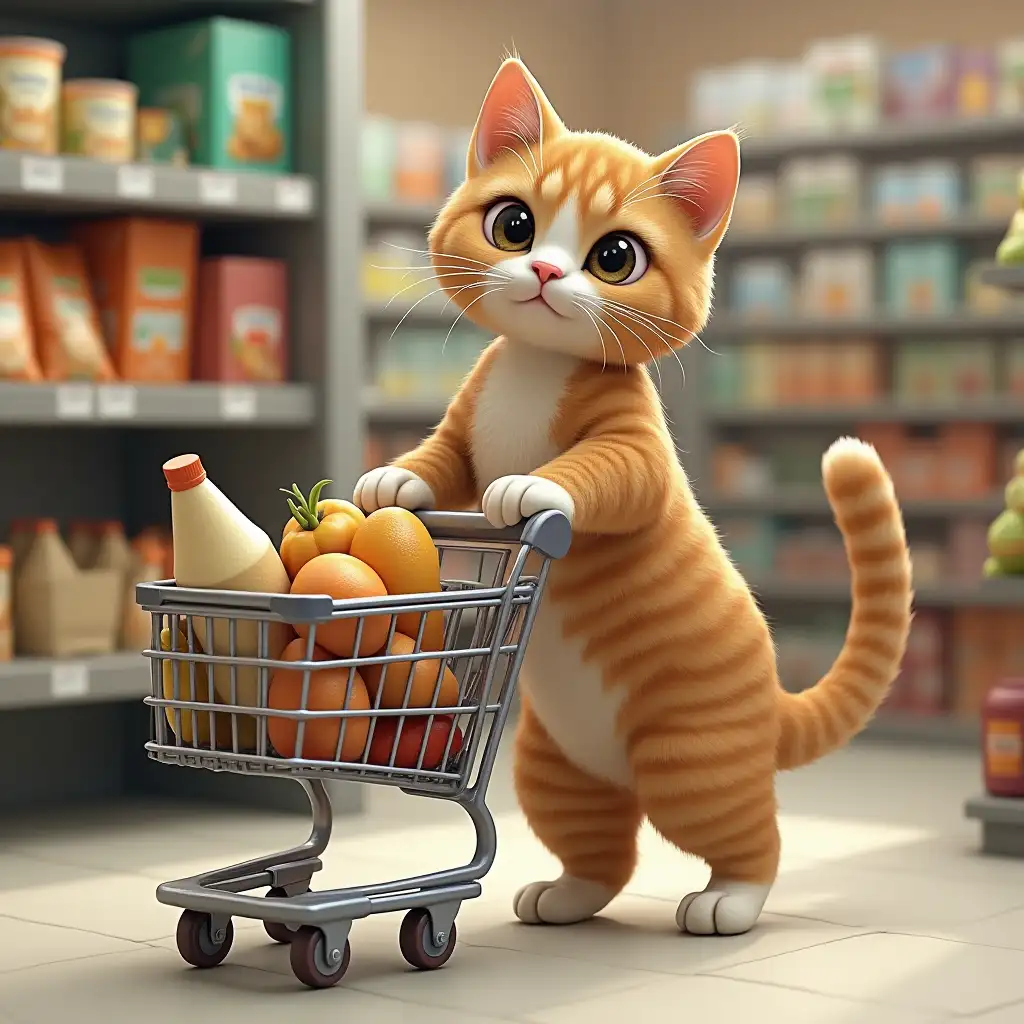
(412, 739)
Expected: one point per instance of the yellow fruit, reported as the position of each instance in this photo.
(396, 545)
(195, 728)
(424, 680)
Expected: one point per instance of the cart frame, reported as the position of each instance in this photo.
(317, 924)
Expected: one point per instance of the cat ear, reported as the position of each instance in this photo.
(703, 175)
(515, 115)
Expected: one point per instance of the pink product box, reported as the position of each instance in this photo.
(242, 334)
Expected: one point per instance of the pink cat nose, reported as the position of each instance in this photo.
(546, 271)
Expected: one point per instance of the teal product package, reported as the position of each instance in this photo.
(229, 81)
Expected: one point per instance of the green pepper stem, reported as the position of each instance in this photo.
(304, 509)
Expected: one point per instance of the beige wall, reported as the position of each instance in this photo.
(625, 65)
(432, 59)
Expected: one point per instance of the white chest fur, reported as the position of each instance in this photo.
(512, 435)
(515, 410)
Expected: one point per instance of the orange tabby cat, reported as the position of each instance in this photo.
(650, 686)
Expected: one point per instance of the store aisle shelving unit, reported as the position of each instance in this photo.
(73, 729)
(706, 423)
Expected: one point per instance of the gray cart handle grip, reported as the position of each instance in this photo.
(547, 532)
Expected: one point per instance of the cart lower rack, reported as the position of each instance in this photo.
(217, 711)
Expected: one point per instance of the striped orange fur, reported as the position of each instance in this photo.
(650, 688)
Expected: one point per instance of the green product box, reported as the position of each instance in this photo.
(230, 81)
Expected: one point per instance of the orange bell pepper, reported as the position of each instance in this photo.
(317, 527)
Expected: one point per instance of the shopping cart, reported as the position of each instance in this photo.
(493, 583)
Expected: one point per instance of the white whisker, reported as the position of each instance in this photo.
(600, 336)
(459, 291)
(431, 254)
(635, 335)
(437, 277)
(483, 295)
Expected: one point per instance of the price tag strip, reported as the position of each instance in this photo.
(117, 402)
(218, 189)
(135, 181)
(74, 402)
(237, 403)
(42, 174)
(69, 680)
(293, 195)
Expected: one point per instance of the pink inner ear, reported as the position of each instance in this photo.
(510, 116)
(704, 179)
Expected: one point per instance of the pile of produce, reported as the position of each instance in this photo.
(1006, 534)
(329, 547)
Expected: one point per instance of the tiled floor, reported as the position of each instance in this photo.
(884, 914)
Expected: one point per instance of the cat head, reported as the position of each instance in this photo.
(579, 242)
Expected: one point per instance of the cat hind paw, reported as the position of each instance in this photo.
(566, 901)
(723, 908)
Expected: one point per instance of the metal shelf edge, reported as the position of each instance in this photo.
(45, 682)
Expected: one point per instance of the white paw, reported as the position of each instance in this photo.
(510, 499)
(566, 901)
(723, 908)
(390, 485)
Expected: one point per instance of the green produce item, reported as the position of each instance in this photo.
(1011, 248)
(1006, 534)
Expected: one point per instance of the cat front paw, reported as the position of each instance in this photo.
(388, 486)
(510, 499)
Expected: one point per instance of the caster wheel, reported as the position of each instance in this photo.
(196, 943)
(275, 929)
(309, 961)
(418, 945)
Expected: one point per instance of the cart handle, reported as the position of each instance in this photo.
(548, 533)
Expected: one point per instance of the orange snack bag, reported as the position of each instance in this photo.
(17, 339)
(70, 343)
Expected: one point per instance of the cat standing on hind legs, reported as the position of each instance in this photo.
(650, 687)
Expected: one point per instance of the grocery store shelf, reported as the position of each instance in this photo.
(396, 212)
(1011, 278)
(143, 12)
(142, 405)
(1001, 593)
(418, 412)
(865, 230)
(942, 730)
(432, 309)
(68, 184)
(812, 502)
(880, 323)
(41, 682)
(996, 410)
(941, 134)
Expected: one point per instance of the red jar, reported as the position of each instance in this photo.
(1003, 738)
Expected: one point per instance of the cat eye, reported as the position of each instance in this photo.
(617, 258)
(508, 225)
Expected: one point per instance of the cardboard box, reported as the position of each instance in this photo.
(968, 460)
(229, 80)
(143, 275)
(242, 320)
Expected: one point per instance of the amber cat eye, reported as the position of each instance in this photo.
(508, 225)
(617, 258)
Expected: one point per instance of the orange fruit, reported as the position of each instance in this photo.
(327, 689)
(398, 547)
(343, 577)
(413, 731)
(424, 680)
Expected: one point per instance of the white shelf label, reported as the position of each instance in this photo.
(293, 195)
(40, 174)
(74, 401)
(218, 189)
(69, 680)
(237, 403)
(117, 402)
(135, 182)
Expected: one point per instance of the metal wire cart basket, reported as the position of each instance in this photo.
(493, 581)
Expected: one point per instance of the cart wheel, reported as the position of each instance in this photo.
(417, 943)
(309, 963)
(275, 929)
(197, 945)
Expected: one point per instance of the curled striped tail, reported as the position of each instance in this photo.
(826, 716)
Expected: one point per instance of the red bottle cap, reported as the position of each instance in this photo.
(184, 472)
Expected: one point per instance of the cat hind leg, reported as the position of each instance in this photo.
(589, 825)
